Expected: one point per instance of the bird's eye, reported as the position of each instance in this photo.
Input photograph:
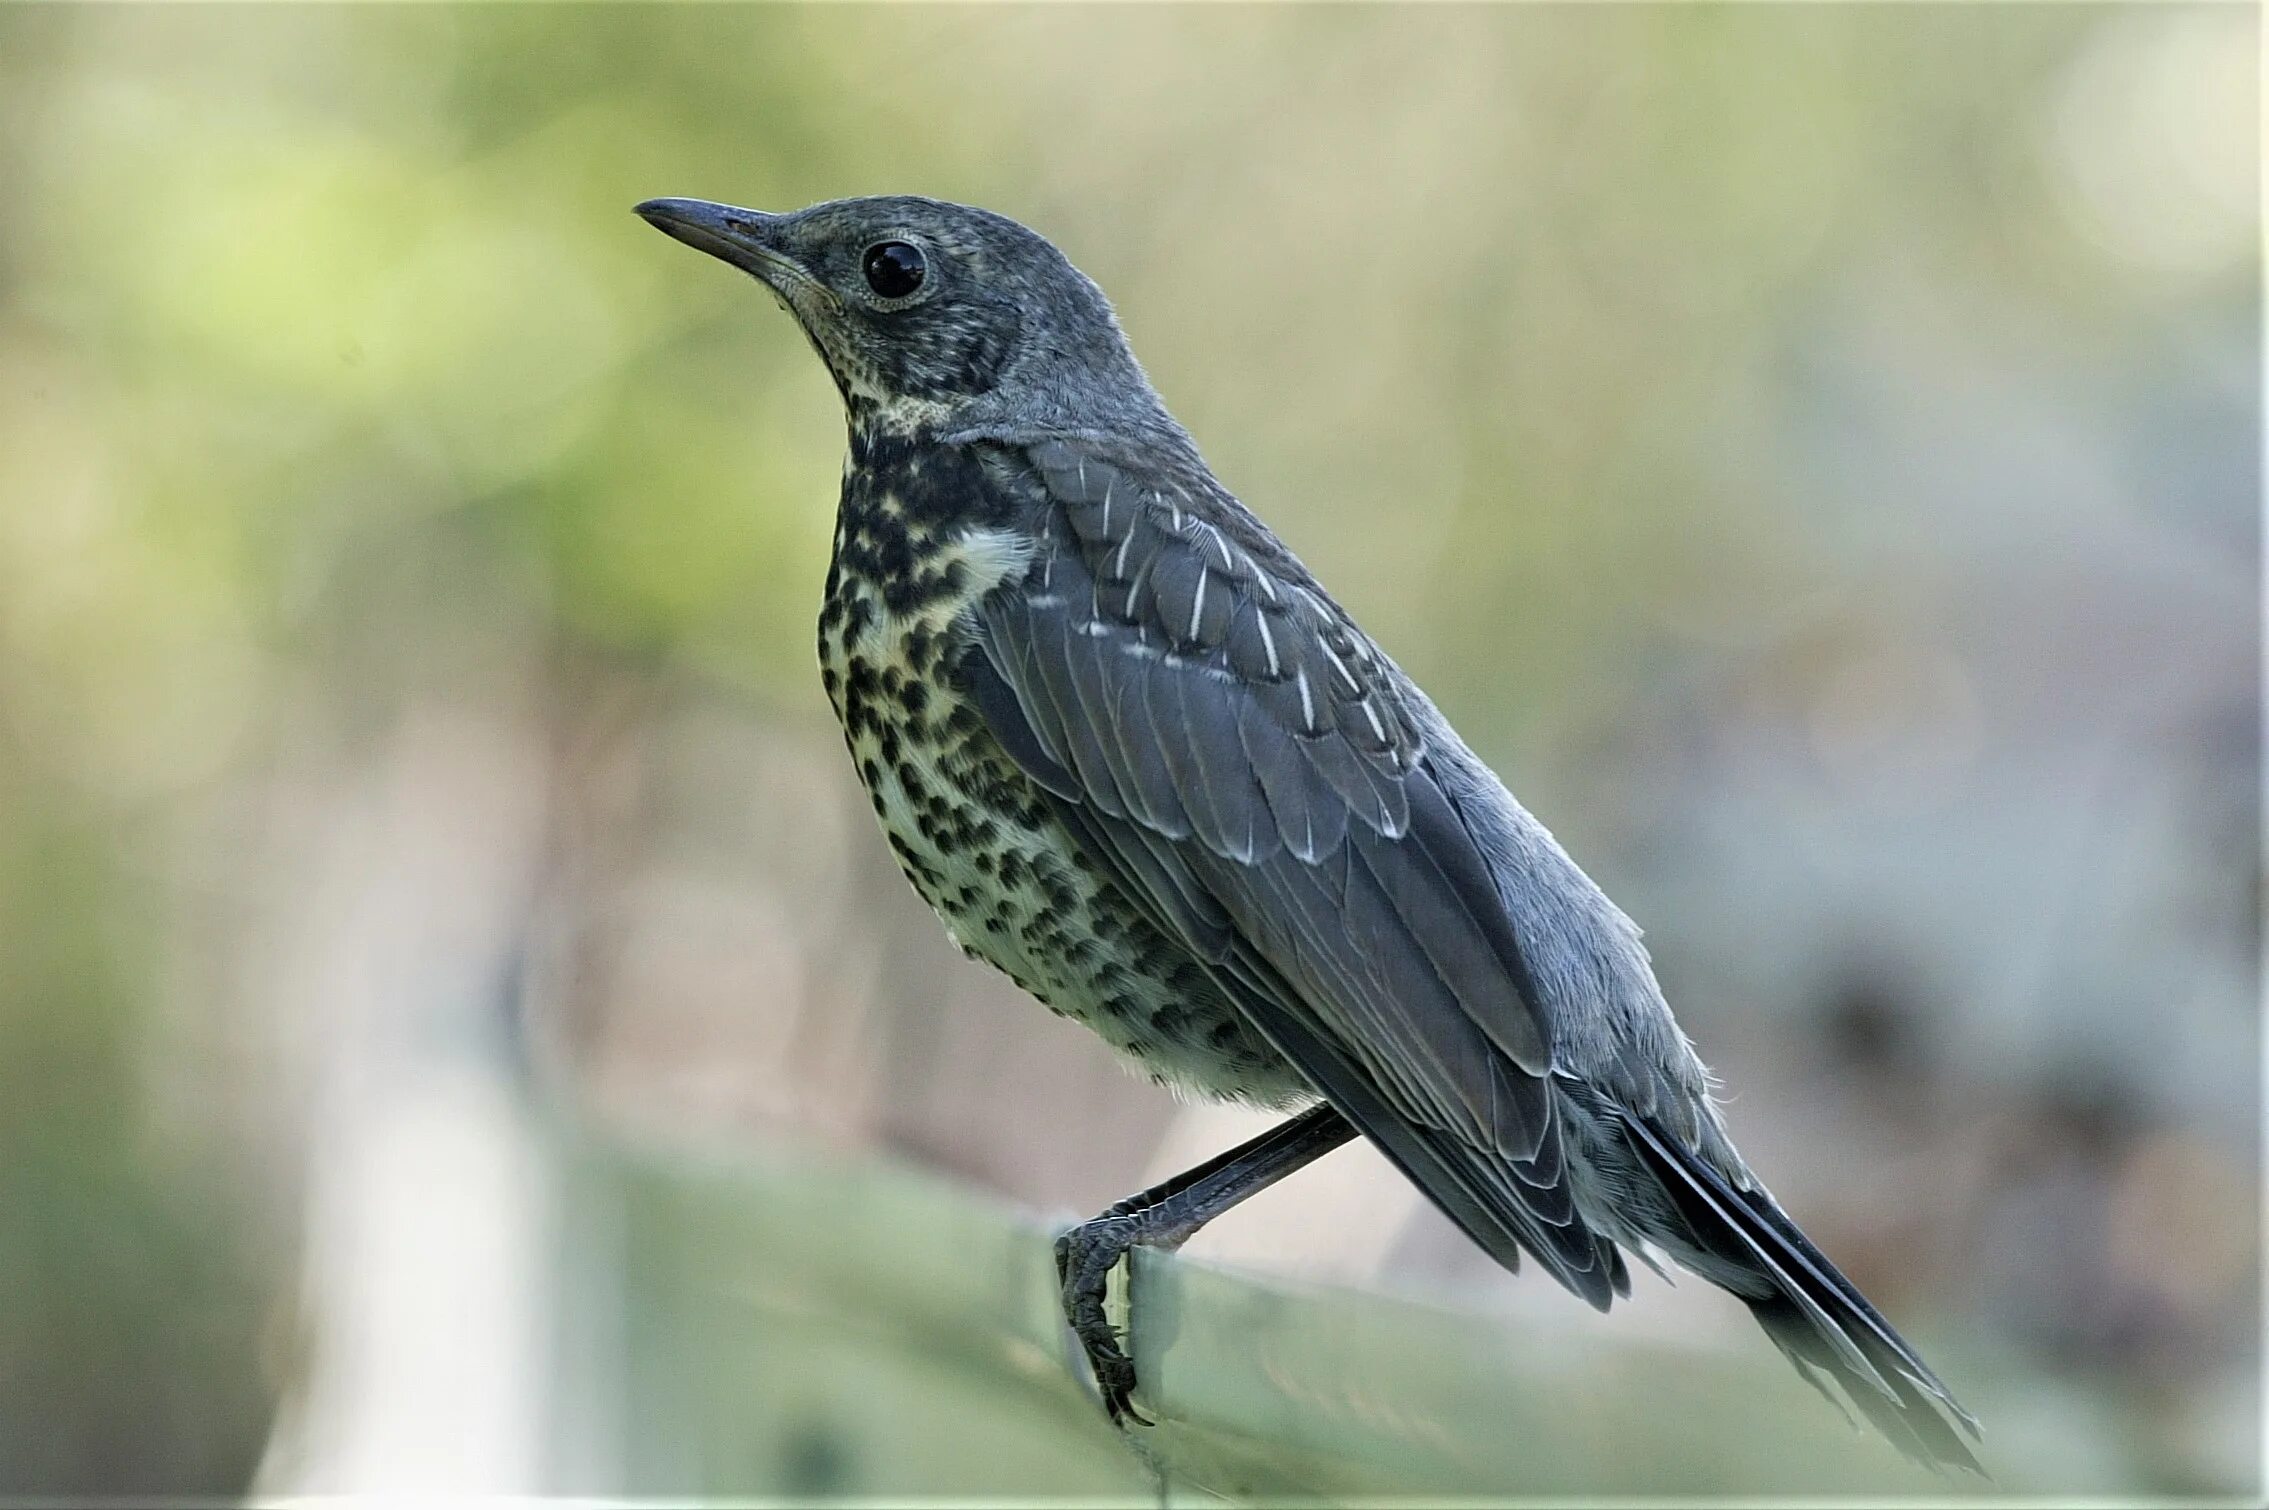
(894, 268)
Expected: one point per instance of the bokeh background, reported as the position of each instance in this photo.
(1812, 451)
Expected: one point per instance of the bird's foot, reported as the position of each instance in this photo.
(1165, 1216)
(1085, 1257)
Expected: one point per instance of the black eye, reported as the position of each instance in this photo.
(894, 269)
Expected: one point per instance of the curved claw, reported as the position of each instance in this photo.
(1115, 1377)
(1164, 1216)
(1085, 1256)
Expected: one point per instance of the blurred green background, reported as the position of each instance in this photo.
(1811, 450)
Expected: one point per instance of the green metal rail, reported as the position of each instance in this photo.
(786, 1326)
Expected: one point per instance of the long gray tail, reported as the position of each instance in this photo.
(1811, 1312)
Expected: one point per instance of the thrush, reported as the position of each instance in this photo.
(1136, 757)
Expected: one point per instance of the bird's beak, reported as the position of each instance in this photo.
(744, 238)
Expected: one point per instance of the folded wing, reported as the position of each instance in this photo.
(1235, 755)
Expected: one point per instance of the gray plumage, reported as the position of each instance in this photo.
(1274, 871)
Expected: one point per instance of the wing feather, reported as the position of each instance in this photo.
(1064, 662)
(1309, 821)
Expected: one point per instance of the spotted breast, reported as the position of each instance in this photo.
(922, 533)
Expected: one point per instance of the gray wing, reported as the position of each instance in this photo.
(1231, 751)
(1237, 757)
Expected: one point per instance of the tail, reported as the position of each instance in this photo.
(1804, 1303)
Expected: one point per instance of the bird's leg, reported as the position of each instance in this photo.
(1165, 1216)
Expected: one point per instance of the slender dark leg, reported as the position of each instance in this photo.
(1165, 1216)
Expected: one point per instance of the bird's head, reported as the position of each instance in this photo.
(931, 315)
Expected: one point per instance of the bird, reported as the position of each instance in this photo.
(1137, 758)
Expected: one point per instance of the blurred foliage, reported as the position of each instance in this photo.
(1811, 449)
(129, 1345)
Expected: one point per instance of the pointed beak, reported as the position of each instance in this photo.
(744, 238)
